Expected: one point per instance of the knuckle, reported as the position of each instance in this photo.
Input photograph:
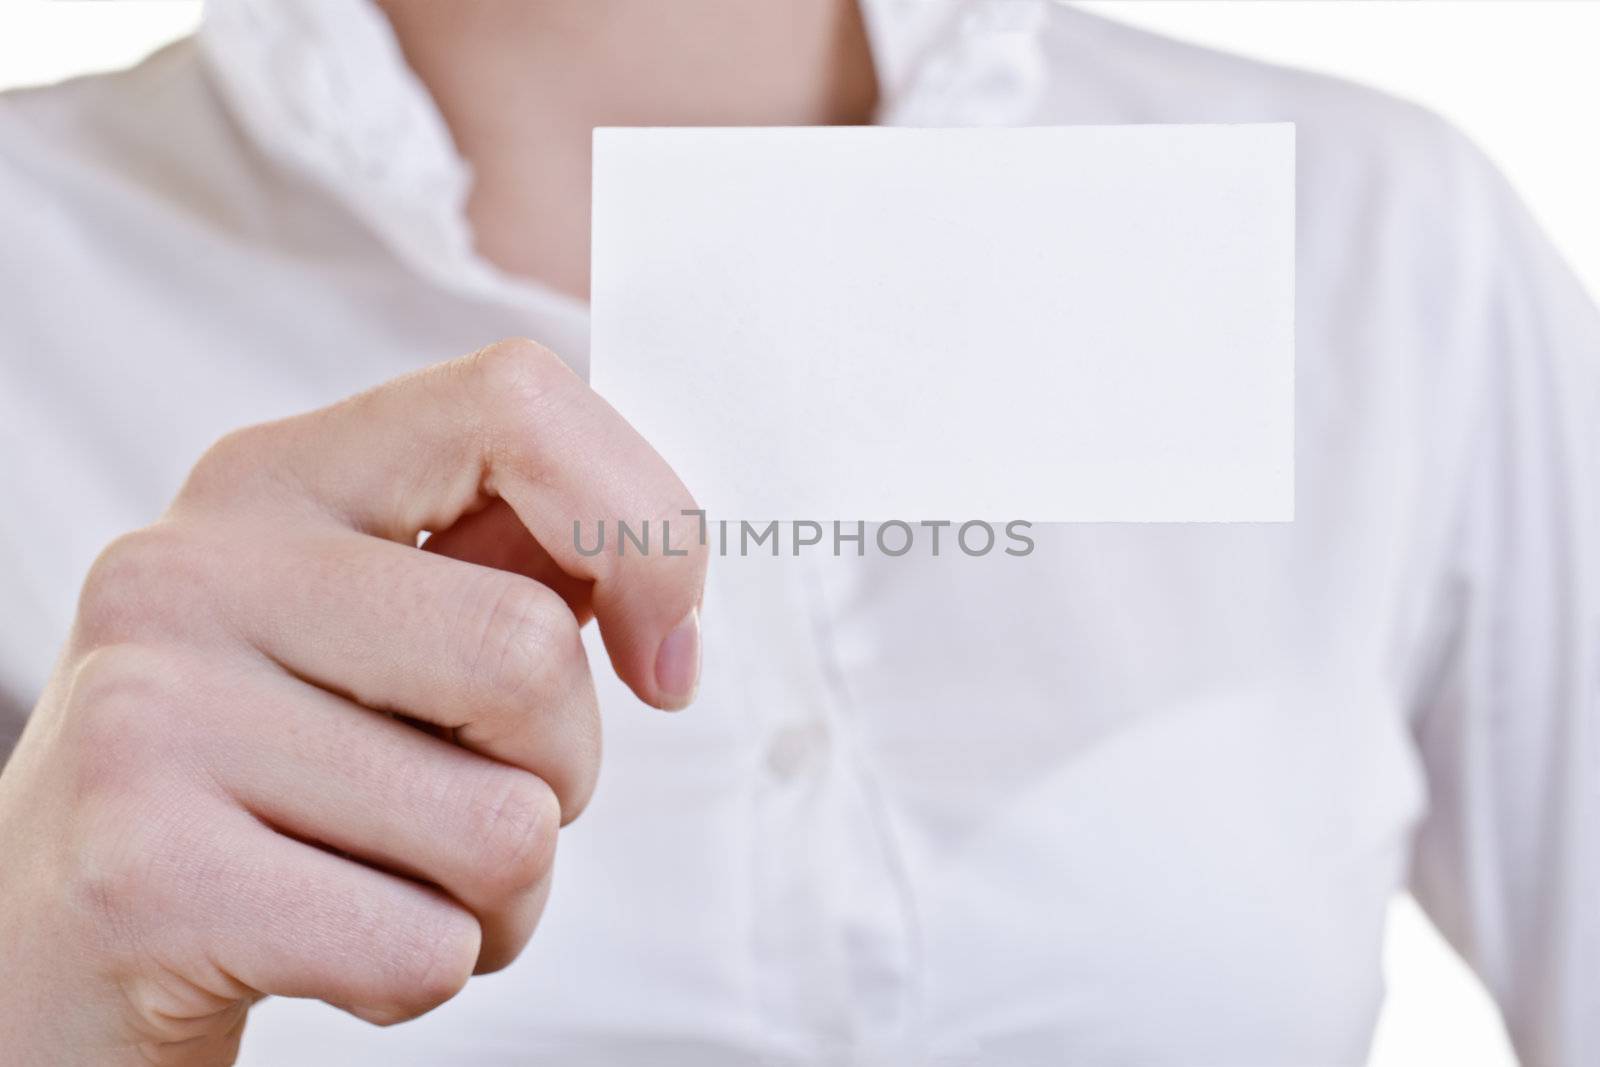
(123, 776)
(124, 765)
(116, 694)
(111, 890)
(106, 874)
(517, 385)
(252, 469)
(513, 830)
(217, 475)
(432, 968)
(131, 861)
(517, 370)
(520, 643)
(129, 582)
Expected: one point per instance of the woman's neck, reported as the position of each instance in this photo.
(522, 83)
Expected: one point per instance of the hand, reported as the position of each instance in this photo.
(287, 752)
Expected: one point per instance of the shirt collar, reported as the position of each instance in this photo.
(322, 86)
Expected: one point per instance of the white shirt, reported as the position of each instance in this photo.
(1138, 798)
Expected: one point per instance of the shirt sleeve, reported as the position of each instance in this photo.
(1507, 859)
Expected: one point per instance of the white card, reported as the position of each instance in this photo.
(1090, 323)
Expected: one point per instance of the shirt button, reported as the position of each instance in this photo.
(793, 747)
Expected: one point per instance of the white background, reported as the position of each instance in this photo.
(1518, 75)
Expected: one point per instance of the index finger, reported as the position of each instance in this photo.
(514, 422)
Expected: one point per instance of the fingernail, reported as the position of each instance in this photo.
(678, 662)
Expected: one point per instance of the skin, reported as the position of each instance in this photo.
(225, 793)
(543, 75)
(286, 752)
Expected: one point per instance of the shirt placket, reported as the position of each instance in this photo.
(832, 941)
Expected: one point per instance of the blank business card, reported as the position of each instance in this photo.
(1058, 324)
